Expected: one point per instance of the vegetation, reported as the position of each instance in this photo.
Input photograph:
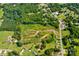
(39, 29)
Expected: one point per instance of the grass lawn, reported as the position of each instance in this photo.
(3, 44)
(4, 35)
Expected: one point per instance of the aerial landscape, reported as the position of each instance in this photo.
(39, 29)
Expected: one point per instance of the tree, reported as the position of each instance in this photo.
(48, 52)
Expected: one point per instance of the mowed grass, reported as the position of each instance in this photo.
(30, 27)
(6, 45)
(3, 37)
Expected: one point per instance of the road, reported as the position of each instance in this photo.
(61, 44)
